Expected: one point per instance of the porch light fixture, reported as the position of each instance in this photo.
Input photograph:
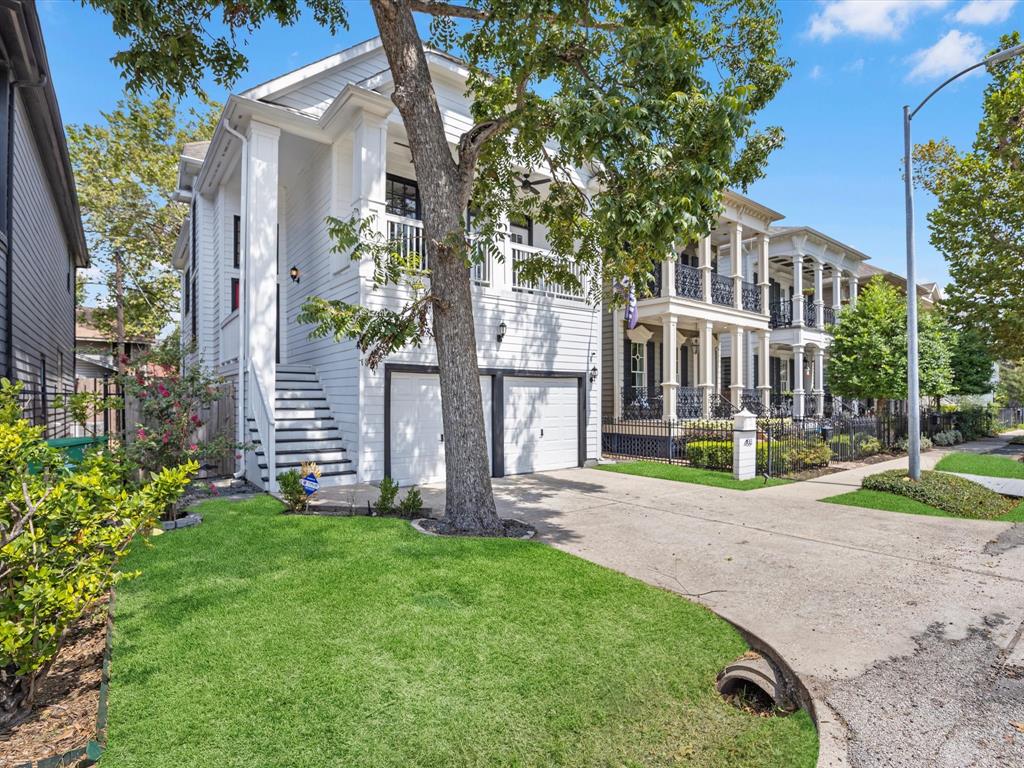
(593, 374)
(913, 382)
(294, 273)
(502, 329)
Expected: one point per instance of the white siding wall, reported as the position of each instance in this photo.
(228, 206)
(313, 96)
(44, 307)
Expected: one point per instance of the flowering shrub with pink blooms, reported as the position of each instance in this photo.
(173, 396)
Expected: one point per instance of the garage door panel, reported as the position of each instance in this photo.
(541, 425)
(417, 447)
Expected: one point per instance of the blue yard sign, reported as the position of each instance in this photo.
(310, 484)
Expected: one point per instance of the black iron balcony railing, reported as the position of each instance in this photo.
(689, 403)
(781, 313)
(781, 405)
(751, 297)
(810, 312)
(722, 408)
(751, 400)
(721, 290)
(689, 284)
(642, 402)
(830, 315)
(655, 281)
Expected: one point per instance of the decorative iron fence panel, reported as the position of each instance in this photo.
(642, 402)
(699, 443)
(781, 314)
(751, 297)
(721, 290)
(689, 283)
(689, 402)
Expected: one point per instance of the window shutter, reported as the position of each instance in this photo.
(650, 363)
(684, 354)
(236, 242)
(757, 370)
(193, 223)
(626, 357)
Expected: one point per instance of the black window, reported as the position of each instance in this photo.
(521, 231)
(234, 293)
(236, 242)
(188, 291)
(5, 86)
(195, 309)
(402, 197)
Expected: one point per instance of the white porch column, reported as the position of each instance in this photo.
(819, 380)
(819, 296)
(853, 290)
(764, 384)
(618, 347)
(668, 277)
(751, 352)
(762, 272)
(369, 170)
(798, 382)
(704, 265)
(837, 291)
(736, 259)
(706, 359)
(261, 174)
(798, 289)
(736, 385)
(669, 349)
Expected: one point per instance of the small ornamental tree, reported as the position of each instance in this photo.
(868, 353)
(172, 397)
(972, 364)
(1010, 389)
(61, 535)
(656, 101)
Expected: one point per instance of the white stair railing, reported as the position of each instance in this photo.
(263, 413)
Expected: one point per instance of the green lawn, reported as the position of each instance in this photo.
(689, 475)
(982, 464)
(890, 502)
(258, 639)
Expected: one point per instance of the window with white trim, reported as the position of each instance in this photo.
(637, 364)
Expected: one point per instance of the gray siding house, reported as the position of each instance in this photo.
(41, 239)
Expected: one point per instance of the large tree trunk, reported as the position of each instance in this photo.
(16, 692)
(469, 500)
(119, 309)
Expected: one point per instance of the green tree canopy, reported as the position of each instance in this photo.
(972, 363)
(126, 169)
(978, 223)
(1010, 389)
(657, 99)
(868, 354)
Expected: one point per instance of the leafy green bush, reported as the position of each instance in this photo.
(412, 503)
(290, 484)
(807, 453)
(950, 493)
(388, 493)
(947, 437)
(62, 534)
(710, 454)
(903, 444)
(869, 446)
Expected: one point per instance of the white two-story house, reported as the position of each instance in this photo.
(326, 140)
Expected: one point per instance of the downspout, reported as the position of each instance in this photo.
(39, 82)
(243, 249)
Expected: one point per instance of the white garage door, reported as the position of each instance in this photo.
(417, 447)
(541, 425)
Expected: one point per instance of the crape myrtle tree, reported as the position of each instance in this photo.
(876, 331)
(657, 98)
(978, 221)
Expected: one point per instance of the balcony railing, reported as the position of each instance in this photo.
(524, 253)
(751, 297)
(689, 283)
(810, 312)
(781, 313)
(642, 402)
(406, 236)
(654, 281)
(721, 290)
(830, 315)
(689, 403)
(751, 400)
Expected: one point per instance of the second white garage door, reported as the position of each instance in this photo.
(541, 425)
(417, 444)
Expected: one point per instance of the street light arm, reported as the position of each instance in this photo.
(961, 73)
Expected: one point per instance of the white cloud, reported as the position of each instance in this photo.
(985, 11)
(857, 65)
(816, 72)
(956, 50)
(867, 18)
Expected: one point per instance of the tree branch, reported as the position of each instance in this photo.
(454, 11)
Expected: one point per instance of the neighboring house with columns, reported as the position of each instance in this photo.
(326, 140)
(720, 334)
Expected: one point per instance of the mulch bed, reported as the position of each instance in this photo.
(64, 717)
(512, 529)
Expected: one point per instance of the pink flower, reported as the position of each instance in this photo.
(163, 390)
(238, 455)
(196, 420)
(166, 437)
(143, 394)
(141, 434)
(214, 490)
(193, 447)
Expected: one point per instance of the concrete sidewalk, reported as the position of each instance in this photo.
(1007, 486)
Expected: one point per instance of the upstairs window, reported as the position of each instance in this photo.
(521, 231)
(234, 294)
(402, 197)
(236, 242)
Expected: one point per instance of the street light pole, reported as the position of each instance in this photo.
(913, 380)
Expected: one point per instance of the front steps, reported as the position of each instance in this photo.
(305, 429)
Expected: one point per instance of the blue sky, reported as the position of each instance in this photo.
(857, 63)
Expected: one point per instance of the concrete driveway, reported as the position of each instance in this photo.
(903, 628)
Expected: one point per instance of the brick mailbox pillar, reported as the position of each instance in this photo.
(744, 446)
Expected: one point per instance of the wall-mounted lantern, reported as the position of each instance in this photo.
(294, 273)
(502, 330)
(593, 374)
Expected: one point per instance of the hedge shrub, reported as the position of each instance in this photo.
(956, 495)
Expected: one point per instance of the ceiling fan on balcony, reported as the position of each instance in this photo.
(529, 184)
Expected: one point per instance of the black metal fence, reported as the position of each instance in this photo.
(94, 409)
(699, 443)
